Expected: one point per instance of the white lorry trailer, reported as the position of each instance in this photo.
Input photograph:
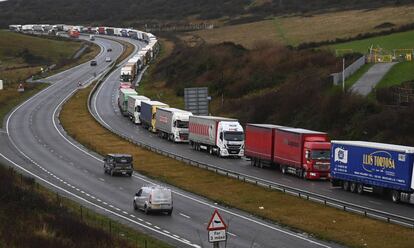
(172, 124)
(216, 135)
(123, 99)
(134, 107)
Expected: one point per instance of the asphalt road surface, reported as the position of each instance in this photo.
(34, 142)
(104, 106)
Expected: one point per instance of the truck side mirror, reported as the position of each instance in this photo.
(307, 154)
(136, 194)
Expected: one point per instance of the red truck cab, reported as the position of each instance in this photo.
(316, 158)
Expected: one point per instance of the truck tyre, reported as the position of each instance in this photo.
(283, 169)
(345, 185)
(395, 196)
(360, 188)
(353, 187)
(130, 174)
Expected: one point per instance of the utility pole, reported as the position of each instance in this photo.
(343, 74)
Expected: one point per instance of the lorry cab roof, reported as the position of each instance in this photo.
(174, 110)
(397, 148)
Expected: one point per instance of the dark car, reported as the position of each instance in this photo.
(109, 50)
(94, 63)
(118, 164)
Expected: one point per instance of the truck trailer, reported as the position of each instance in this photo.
(134, 107)
(123, 99)
(148, 113)
(297, 151)
(360, 166)
(221, 136)
(172, 124)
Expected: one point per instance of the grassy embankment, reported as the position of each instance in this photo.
(22, 56)
(32, 216)
(322, 222)
(311, 28)
(157, 90)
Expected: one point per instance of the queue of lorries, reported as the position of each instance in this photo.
(356, 166)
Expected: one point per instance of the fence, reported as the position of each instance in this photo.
(351, 69)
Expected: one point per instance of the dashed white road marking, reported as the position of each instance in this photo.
(185, 216)
(231, 234)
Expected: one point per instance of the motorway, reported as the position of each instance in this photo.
(35, 143)
(107, 112)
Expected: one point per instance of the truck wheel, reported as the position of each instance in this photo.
(253, 162)
(345, 185)
(360, 188)
(353, 187)
(283, 168)
(395, 196)
(130, 174)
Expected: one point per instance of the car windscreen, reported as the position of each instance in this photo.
(123, 160)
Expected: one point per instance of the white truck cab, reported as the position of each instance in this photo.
(230, 139)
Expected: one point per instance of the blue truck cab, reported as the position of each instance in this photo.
(360, 166)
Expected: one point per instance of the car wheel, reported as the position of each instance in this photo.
(169, 212)
(146, 211)
(135, 205)
(284, 171)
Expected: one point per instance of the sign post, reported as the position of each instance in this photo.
(217, 229)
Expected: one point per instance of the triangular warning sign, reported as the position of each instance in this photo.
(216, 222)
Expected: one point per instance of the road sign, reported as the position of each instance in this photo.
(217, 235)
(216, 222)
(196, 100)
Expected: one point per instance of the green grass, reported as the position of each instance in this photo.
(398, 74)
(404, 40)
(11, 44)
(357, 75)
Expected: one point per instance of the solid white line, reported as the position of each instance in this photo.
(93, 204)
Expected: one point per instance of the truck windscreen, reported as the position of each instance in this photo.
(234, 136)
(321, 154)
(182, 124)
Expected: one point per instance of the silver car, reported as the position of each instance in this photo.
(154, 199)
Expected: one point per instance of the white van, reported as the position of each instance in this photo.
(153, 199)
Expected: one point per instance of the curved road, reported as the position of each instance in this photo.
(35, 143)
(107, 111)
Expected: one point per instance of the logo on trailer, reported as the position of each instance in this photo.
(210, 132)
(341, 155)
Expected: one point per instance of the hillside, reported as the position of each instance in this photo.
(129, 12)
(274, 84)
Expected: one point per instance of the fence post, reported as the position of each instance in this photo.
(81, 214)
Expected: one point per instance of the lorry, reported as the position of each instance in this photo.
(73, 33)
(148, 113)
(128, 72)
(101, 30)
(221, 136)
(172, 124)
(109, 31)
(360, 166)
(123, 99)
(134, 107)
(297, 151)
